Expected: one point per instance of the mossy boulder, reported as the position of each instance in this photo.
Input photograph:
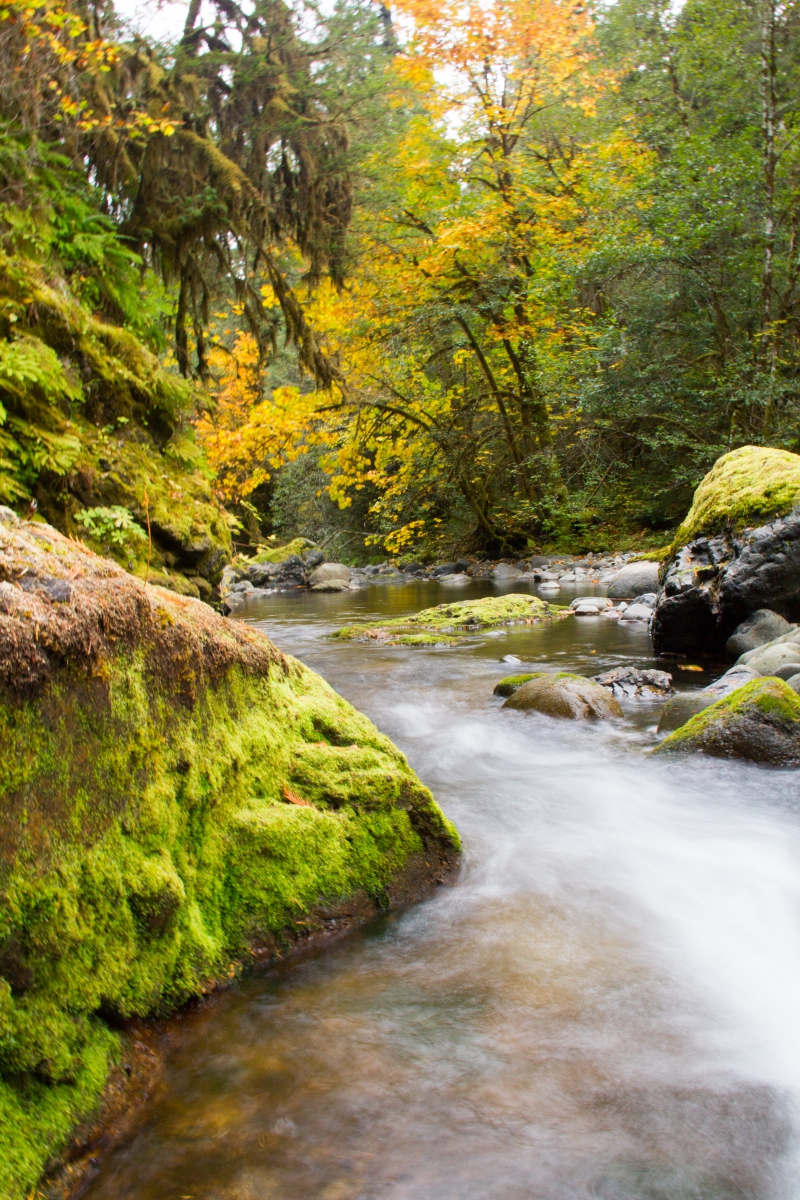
(450, 624)
(511, 683)
(279, 554)
(738, 551)
(565, 695)
(760, 721)
(177, 799)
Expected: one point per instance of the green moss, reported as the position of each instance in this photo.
(769, 696)
(445, 620)
(749, 486)
(510, 684)
(280, 554)
(149, 843)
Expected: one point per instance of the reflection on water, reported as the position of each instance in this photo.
(604, 1005)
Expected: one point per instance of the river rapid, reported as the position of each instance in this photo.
(605, 1003)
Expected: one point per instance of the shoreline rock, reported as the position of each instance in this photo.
(179, 799)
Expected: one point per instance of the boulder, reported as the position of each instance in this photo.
(738, 551)
(633, 579)
(587, 609)
(759, 722)
(565, 695)
(263, 574)
(506, 571)
(680, 708)
(332, 585)
(547, 576)
(449, 568)
(649, 599)
(636, 612)
(538, 561)
(794, 683)
(456, 580)
(330, 573)
(761, 627)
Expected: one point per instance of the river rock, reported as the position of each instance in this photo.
(169, 800)
(506, 571)
(636, 612)
(759, 722)
(330, 573)
(598, 601)
(633, 579)
(456, 580)
(630, 681)
(445, 569)
(678, 710)
(761, 627)
(648, 599)
(587, 610)
(334, 585)
(765, 660)
(565, 695)
(794, 682)
(738, 551)
(538, 561)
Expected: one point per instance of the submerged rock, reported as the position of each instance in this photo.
(564, 695)
(759, 722)
(738, 551)
(177, 799)
(450, 623)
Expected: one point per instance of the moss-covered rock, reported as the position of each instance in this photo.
(447, 624)
(176, 797)
(749, 486)
(565, 695)
(738, 551)
(759, 721)
(280, 554)
(90, 417)
(509, 685)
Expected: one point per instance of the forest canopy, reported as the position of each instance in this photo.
(481, 276)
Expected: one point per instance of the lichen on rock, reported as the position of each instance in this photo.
(449, 624)
(178, 798)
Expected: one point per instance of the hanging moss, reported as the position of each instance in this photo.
(176, 796)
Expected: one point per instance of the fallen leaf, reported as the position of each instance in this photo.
(293, 798)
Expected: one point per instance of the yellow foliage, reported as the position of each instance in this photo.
(246, 437)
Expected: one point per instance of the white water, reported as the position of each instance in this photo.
(606, 1004)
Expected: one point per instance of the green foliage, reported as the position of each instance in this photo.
(114, 526)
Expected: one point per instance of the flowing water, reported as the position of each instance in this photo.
(606, 1003)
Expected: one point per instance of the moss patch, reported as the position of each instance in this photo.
(511, 682)
(280, 554)
(749, 486)
(760, 720)
(175, 796)
(446, 624)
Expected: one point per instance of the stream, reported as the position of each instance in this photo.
(605, 1003)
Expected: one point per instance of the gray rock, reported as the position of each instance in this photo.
(331, 585)
(682, 707)
(456, 580)
(599, 601)
(547, 576)
(567, 577)
(794, 683)
(412, 568)
(587, 610)
(264, 574)
(767, 658)
(714, 583)
(629, 681)
(445, 569)
(538, 561)
(636, 612)
(633, 579)
(506, 571)
(787, 670)
(761, 627)
(330, 573)
(564, 695)
(649, 599)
